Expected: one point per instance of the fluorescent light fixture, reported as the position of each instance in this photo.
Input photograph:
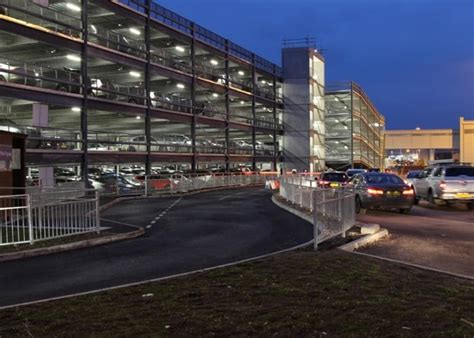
(345, 107)
(336, 120)
(336, 99)
(180, 49)
(73, 58)
(215, 95)
(180, 86)
(73, 7)
(134, 73)
(241, 73)
(138, 117)
(346, 127)
(76, 109)
(242, 102)
(263, 82)
(214, 62)
(134, 31)
(94, 29)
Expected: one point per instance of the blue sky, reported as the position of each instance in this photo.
(414, 58)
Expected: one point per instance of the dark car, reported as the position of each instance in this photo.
(352, 172)
(381, 191)
(333, 179)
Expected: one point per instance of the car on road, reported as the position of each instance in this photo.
(352, 172)
(451, 184)
(333, 179)
(412, 176)
(381, 191)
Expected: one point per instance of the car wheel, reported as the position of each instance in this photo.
(358, 205)
(404, 211)
(132, 101)
(2, 78)
(431, 199)
(61, 88)
(131, 148)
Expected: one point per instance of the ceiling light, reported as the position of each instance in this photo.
(336, 120)
(214, 62)
(73, 58)
(134, 31)
(241, 73)
(138, 117)
(336, 99)
(73, 7)
(215, 95)
(345, 107)
(180, 49)
(263, 82)
(242, 102)
(180, 86)
(76, 109)
(134, 73)
(94, 29)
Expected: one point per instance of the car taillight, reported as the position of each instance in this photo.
(323, 182)
(408, 192)
(442, 185)
(375, 191)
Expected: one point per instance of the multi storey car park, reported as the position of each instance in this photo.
(118, 83)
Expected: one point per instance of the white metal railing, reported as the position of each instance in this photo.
(332, 210)
(37, 216)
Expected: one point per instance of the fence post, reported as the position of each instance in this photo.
(97, 211)
(315, 223)
(30, 222)
(146, 185)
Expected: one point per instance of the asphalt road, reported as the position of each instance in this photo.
(186, 234)
(440, 237)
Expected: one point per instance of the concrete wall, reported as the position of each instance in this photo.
(421, 139)
(466, 132)
(303, 88)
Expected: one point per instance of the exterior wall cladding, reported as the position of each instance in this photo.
(130, 83)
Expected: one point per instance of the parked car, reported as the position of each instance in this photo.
(412, 176)
(381, 191)
(18, 75)
(352, 172)
(451, 184)
(333, 179)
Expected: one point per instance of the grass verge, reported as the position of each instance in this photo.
(301, 293)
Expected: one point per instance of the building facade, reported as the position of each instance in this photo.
(303, 118)
(354, 128)
(420, 147)
(122, 84)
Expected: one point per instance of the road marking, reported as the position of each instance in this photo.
(229, 196)
(163, 213)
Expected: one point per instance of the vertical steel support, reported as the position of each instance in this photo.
(352, 125)
(97, 211)
(275, 119)
(30, 221)
(193, 100)
(254, 118)
(147, 90)
(84, 110)
(227, 107)
(315, 223)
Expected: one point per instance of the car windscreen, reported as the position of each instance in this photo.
(413, 174)
(335, 177)
(380, 179)
(460, 171)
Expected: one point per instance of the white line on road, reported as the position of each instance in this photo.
(163, 213)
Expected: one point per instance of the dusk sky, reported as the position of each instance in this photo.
(414, 58)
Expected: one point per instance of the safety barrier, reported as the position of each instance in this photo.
(332, 210)
(37, 216)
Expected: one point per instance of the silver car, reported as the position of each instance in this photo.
(381, 191)
(451, 184)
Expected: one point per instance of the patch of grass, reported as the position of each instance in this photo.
(301, 293)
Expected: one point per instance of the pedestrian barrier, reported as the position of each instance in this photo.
(332, 210)
(37, 216)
